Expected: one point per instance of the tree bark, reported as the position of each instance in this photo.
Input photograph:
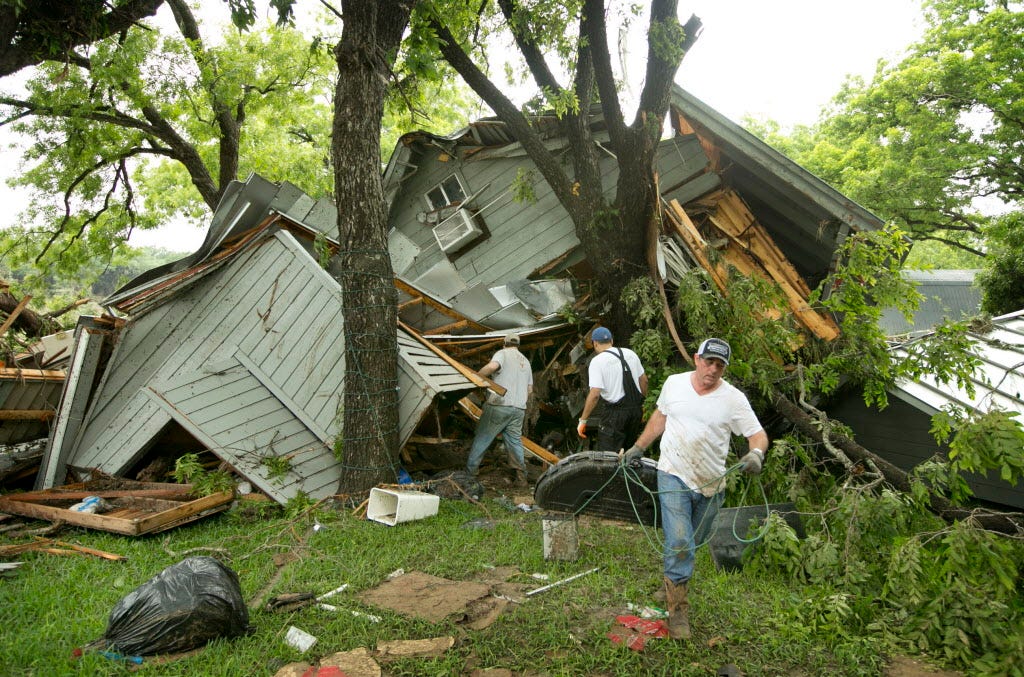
(370, 39)
(1004, 523)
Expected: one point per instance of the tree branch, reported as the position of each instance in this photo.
(546, 162)
(42, 30)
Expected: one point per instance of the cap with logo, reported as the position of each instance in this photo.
(601, 335)
(715, 347)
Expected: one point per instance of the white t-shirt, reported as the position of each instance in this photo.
(605, 372)
(695, 443)
(515, 375)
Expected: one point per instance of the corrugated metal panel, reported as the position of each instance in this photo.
(998, 381)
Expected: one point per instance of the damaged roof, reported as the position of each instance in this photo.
(806, 216)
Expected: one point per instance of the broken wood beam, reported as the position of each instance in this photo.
(447, 328)
(481, 381)
(31, 374)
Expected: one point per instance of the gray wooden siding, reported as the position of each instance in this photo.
(270, 304)
(250, 361)
(522, 235)
(422, 375)
(236, 415)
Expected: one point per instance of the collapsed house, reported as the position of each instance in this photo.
(460, 234)
(238, 348)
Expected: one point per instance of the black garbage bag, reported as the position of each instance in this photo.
(181, 608)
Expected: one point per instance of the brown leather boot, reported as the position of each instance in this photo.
(678, 608)
(521, 482)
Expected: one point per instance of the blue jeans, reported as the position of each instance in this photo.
(507, 421)
(686, 519)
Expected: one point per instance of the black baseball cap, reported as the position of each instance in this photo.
(715, 347)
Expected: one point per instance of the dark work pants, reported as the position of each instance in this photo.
(620, 426)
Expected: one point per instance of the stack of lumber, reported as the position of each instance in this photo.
(750, 249)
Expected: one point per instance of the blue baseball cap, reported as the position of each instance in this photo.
(601, 335)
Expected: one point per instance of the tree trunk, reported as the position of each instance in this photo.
(1005, 523)
(370, 40)
(613, 233)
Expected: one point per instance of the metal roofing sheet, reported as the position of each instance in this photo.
(998, 380)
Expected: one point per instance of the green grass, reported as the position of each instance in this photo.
(54, 604)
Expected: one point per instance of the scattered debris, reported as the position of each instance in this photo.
(420, 595)
(290, 601)
(136, 508)
(561, 582)
(355, 663)
(7, 568)
(392, 507)
(647, 611)
(634, 632)
(414, 648)
(53, 547)
(18, 461)
(299, 639)
(561, 540)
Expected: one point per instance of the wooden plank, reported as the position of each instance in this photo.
(745, 233)
(85, 359)
(735, 219)
(529, 445)
(14, 314)
(282, 396)
(190, 509)
(17, 374)
(448, 328)
(26, 414)
(737, 255)
(481, 381)
(175, 512)
(695, 243)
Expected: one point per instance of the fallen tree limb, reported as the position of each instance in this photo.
(1011, 524)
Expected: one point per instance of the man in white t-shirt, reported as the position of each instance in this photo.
(617, 380)
(504, 414)
(697, 414)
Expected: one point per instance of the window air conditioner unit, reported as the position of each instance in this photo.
(456, 231)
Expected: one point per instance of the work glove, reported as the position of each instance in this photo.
(632, 456)
(581, 429)
(752, 462)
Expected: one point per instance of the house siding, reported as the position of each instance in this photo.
(522, 236)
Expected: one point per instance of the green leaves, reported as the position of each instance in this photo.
(984, 441)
